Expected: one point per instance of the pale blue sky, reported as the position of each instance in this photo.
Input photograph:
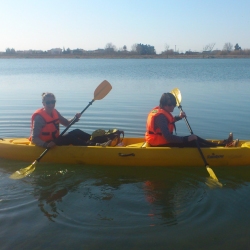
(91, 24)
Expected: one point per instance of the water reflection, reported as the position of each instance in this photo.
(155, 196)
(102, 202)
(163, 194)
(158, 196)
(50, 189)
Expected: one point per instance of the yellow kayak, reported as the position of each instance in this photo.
(133, 152)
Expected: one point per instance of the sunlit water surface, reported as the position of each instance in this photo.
(94, 207)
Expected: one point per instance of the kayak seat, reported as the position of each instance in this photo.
(246, 144)
(146, 145)
(138, 145)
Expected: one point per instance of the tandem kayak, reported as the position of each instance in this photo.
(133, 152)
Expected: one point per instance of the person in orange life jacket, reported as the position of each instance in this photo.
(161, 124)
(45, 126)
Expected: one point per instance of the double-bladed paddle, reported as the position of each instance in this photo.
(100, 92)
(176, 92)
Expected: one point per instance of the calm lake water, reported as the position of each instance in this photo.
(93, 207)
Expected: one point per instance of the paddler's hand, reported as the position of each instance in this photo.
(77, 116)
(192, 138)
(51, 144)
(182, 114)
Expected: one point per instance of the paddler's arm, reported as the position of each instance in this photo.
(162, 123)
(39, 123)
(180, 116)
(65, 121)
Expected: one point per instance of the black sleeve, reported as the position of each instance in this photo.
(161, 122)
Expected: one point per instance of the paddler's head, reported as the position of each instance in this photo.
(49, 101)
(167, 102)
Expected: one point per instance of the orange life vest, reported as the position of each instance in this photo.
(155, 137)
(51, 130)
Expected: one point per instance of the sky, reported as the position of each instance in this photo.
(91, 24)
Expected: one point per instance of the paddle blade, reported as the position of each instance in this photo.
(23, 172)
(211, 173)
(211, 183)
(176, 92)
(102, 90)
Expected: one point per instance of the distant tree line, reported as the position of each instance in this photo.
(228, 48)
(10, 51)
(139, 49)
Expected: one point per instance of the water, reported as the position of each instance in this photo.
(92, 207)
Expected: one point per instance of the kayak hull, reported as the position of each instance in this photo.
(133, 153)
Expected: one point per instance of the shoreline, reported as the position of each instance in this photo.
(77, 56)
